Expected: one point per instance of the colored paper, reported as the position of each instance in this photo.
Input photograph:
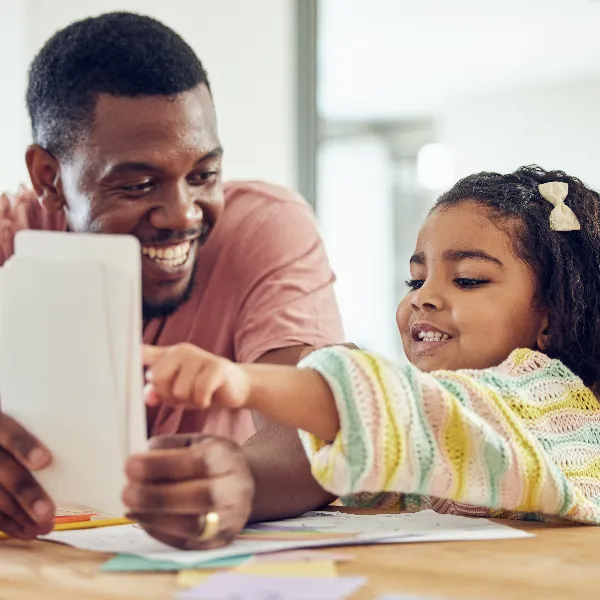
(325, 568)
(241, 586)
(130, 563)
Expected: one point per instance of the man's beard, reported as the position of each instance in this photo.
(160, 310)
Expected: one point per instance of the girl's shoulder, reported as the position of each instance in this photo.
(527, 363)
(529, 377)
(522, 368)
(537, 375)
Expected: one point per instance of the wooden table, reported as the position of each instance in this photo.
(560, 563)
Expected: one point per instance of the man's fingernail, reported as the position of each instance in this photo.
(37, 458)
(43, 510)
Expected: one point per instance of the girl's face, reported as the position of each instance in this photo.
(471, 299)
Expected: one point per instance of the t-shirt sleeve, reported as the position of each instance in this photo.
(286, 284)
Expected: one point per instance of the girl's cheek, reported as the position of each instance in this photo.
(402, 316)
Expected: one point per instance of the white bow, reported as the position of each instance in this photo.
(562, 218)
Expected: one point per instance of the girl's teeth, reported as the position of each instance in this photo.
(432, 336)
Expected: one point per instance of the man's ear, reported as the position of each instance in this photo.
(45, 177)
(543, 338)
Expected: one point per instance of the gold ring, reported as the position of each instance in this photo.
(210, 526)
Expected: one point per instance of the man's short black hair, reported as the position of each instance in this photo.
(119, 53)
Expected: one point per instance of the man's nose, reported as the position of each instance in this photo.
(180, 210)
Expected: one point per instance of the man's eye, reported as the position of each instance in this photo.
(414, 284)
(144, 186)
(468, 283)
(203, 177)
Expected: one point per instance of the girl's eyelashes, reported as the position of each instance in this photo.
(462, 282)
(468, 282)
(414, 284)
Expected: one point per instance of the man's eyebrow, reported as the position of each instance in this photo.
(214, 153)
(457, 255)
(129, 166)
(126, 167)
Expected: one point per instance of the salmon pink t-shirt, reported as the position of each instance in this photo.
(263, 282)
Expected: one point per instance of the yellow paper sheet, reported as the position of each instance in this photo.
(325, 568)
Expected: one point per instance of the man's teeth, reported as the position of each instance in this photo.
(170, 256)
(433, 336)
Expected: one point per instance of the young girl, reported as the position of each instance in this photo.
(496, 414)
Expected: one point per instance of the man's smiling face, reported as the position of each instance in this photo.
(151, 168)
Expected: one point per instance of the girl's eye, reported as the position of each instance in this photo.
(467, 283)
(414, 284)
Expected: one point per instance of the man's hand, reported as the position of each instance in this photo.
(181, 479)
(25, 509)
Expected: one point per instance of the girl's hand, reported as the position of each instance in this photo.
(186, 374)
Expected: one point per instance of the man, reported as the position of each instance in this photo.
(125, 141)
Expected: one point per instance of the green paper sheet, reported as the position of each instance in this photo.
(128, 563)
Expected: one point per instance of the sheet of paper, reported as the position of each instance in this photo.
(128, 563)
(324, 568)
(122, 253)
(45, 359)
(131, 563)
(429, 526)
(130, 539)
(239, 586)
(358, 530)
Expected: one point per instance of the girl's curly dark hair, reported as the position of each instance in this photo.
(567, 264)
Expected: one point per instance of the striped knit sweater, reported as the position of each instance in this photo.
(521, 440)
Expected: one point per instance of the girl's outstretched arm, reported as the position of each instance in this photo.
(186, 374)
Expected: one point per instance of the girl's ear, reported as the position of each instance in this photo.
(543, 339)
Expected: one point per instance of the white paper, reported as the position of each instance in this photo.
(70, 366)
(426, 526)
(57, 376)
(122, 253)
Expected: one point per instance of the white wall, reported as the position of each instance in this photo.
(14, 125)
(554, 126)
(357, 220)
(247, 48)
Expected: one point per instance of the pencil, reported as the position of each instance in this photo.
(92, 523)
(84, 525)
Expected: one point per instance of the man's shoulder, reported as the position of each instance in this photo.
(250, 195)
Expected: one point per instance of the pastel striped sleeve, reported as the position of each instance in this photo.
(448, 435)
